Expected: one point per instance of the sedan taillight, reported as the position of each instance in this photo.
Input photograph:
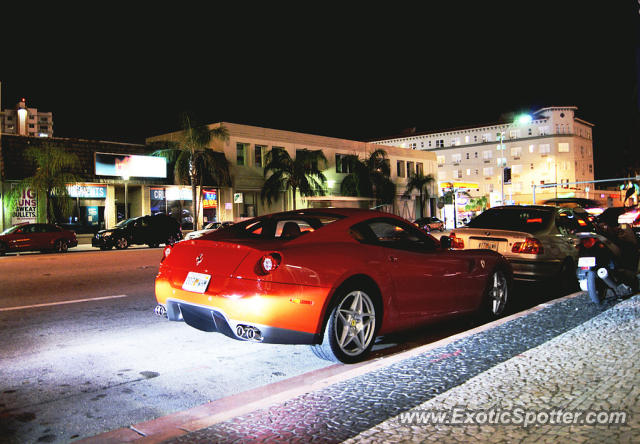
(268, 263)
(588, 242)
(456, 242)
(530, 246)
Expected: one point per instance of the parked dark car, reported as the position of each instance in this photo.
(150, 230)
(43, 237)
(430, 223)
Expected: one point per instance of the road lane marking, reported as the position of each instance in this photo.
(75, 301)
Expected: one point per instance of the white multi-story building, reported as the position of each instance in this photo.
(24, 121)
(550, 146)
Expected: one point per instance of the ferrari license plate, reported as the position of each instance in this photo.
(586, 262)
(488, 245)
(196, 282)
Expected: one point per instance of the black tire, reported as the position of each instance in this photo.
(496, 298)
(61, 246)
(105, 247)
(351, 327)
(3, 249)
(171, 240)
(121, 243)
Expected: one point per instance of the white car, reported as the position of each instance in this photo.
(211, 226)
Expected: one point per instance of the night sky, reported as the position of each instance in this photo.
(120, 75)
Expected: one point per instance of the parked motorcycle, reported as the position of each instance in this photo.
(607, 265)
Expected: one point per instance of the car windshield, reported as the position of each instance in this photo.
(123, 223)
(528, 220)
(289, 226)
(10, 229)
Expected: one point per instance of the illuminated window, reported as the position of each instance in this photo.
(563, 147)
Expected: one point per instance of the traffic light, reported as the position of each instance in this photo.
(506, 175)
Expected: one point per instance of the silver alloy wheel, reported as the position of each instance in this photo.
(498, 293)
(355, 323)
(61, 246)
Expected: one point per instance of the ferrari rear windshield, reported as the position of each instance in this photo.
(283, 227)
(529, 220)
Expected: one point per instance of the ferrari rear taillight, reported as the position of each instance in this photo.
(456, 242)
(269, 262)
(529, 246)
(165, 253)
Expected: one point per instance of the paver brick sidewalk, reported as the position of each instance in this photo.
(568, 355)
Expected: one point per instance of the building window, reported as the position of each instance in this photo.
(259, 153)
(241, 152)
(413, 145)
(516, 152)
(514, 134)
(440, 143)
(455, 142)
(457, 174)
(530, 132)
(502, 161)
(487, 155)
(440, 160)
(410, 169)
(400, 168)
(487, 172)
(486, 137)
(532, 148)
(419, 169)
(342, 164)
(545, 149)
(563, 147)
(455, 158)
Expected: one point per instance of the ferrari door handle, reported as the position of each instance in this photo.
(393, 259)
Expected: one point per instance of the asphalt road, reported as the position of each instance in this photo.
(81, 351)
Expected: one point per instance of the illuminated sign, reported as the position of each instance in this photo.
(125, 165)
(209, 199)
(87, 191)
(178, 193)
(26, 207)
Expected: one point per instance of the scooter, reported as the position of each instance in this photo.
(603, 270)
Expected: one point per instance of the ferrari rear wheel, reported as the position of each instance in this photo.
(497, 295)
(61, 246)
(350, 330)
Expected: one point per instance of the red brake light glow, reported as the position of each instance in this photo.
(456, 242)
(165, 253)
(530, 246)
(588, 242)
(537, 220)
(269, 262)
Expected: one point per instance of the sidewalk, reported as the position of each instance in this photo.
(566, 355)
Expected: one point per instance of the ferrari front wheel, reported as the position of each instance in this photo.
(351, 327)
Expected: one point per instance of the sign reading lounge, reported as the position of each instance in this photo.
(129, 165)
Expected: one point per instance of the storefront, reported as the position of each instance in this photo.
(88, 214)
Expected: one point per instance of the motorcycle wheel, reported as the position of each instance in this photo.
(595, 287)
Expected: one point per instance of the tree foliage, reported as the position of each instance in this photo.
(302, 173)
(421, 183)
(193, 159)
(369, 177)
(53, 166)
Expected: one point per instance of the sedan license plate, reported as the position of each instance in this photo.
(488, 245)
(196, 282)
(586, 262)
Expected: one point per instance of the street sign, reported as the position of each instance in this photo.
(237, 198)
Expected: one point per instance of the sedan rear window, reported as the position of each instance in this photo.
(528, 220)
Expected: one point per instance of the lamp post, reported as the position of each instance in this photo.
(126, 192)
(503, 161)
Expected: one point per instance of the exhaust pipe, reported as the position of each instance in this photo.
(248, 333)
(604, 275)
(160, 310)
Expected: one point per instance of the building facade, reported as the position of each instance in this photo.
(25, 121)
(118, 180)
(552, 146)
(248, 145)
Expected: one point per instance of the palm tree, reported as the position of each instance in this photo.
(369, 178)
(304, 174)
(193, 159)
(421, 183)
(52, 174)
